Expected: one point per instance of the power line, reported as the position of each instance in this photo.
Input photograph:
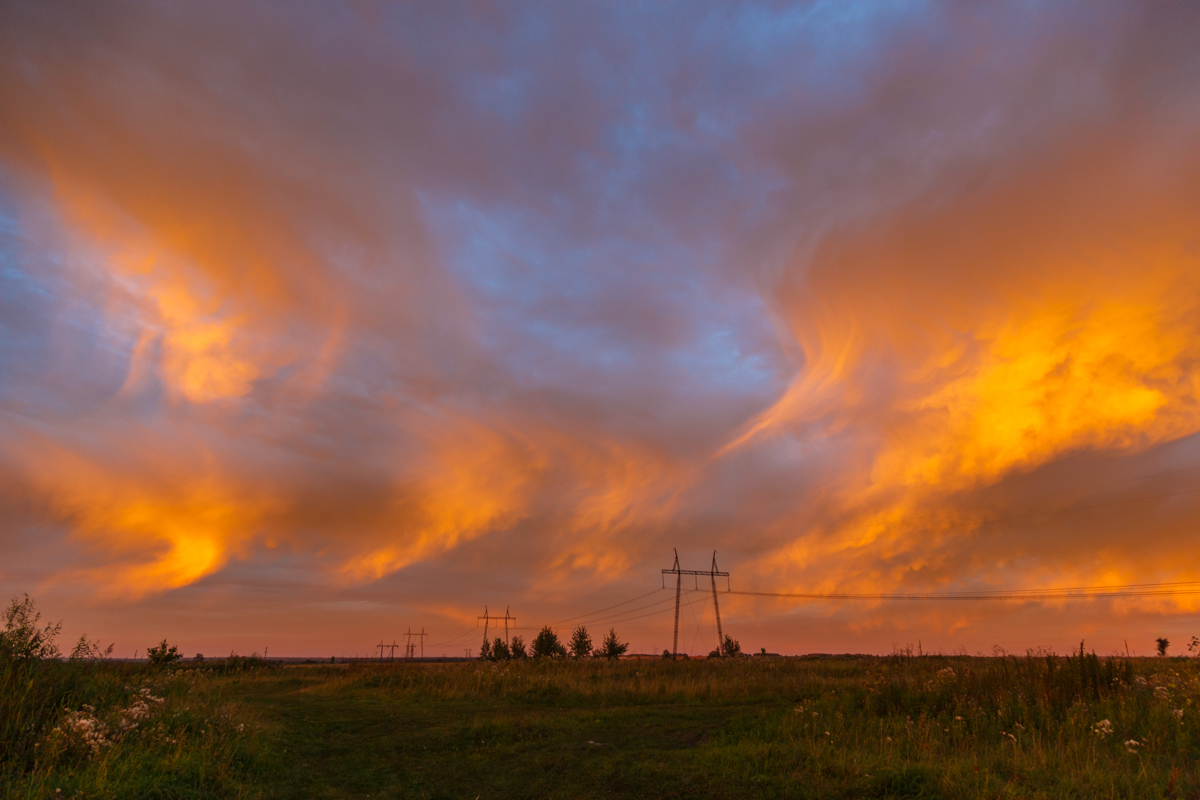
(607, 608)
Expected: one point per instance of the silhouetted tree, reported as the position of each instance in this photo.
(500, 651)
(581, 643)
(1163, 644)
(163, 654)
(730, 647)
(547, 645)
(518, 648)
(612, 648)
(485, 651)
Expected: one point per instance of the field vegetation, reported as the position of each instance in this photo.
(1038, 725)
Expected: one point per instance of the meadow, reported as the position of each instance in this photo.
(1044, 725)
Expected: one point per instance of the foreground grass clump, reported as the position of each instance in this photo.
(89, 728)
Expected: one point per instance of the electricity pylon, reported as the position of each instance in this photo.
(679, 573)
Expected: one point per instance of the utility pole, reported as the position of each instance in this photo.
(679, 573)
(485, 619)
(381, 645)
(392, 647)
(422, 634)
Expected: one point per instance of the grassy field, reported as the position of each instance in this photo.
(1076, 726)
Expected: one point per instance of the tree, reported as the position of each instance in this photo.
(730, 647)
(1163, 644)
(612, 648)
(547, 645)
(666, 654)
(22, 638)
(163, 654)
(500, 651)
(581, 643)
(518, 648)
(485, 651)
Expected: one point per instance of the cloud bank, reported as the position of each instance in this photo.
(321, 316)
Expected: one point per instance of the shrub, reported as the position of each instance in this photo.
(518, 648)
(581, 643)
(547, 645)
(22, 638)
(485, 651)
(612, 648)
(1163, 644)
(666, 653)
(89, 651)
(731, 647)
(163, 654)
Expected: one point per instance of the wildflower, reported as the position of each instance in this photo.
(945, 674)
(1102, 728)
(1132, 745)
(1178, 712)
(958, 719)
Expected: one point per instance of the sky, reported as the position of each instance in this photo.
(321, 322)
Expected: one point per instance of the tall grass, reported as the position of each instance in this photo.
(87, 728)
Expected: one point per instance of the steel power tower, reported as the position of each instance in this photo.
(487, 619)
(679, 573)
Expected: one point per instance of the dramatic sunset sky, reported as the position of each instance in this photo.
(321, 321)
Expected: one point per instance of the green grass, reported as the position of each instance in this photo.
(926, 727)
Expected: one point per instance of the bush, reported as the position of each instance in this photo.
(22, 638)
(485, 651)
(581, 643)
(731, 647)
(518, 648)
(612, 648)
(547, 645)
(163, 654)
